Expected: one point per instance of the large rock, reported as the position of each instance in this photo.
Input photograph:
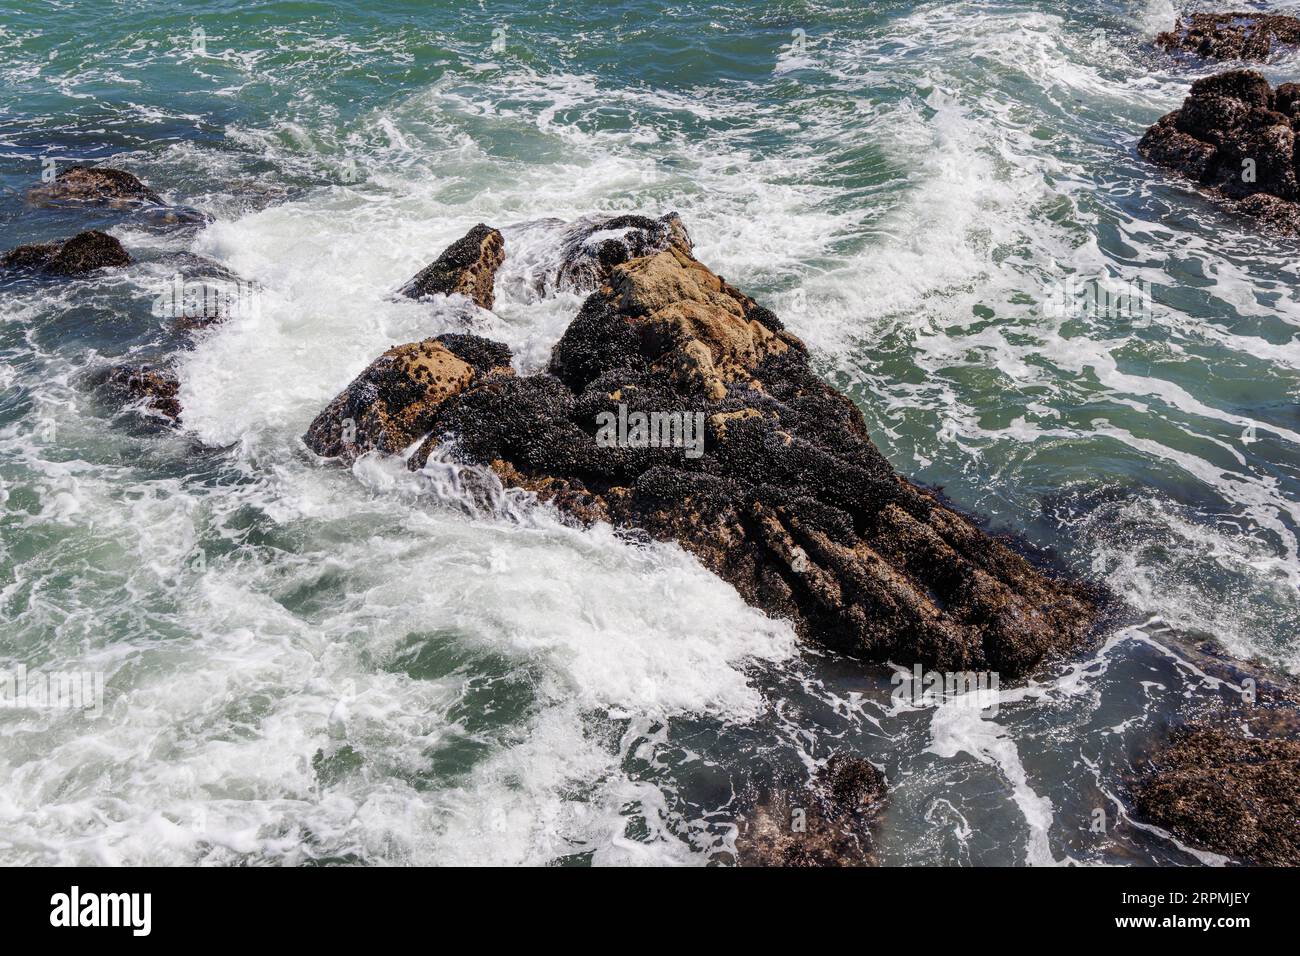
(827, 823)
(749, 461)
(590, 247)
(151, 388)
(97, 185)
(1232, 36)
(1218, 790)
(83, 253)
(1236, 137)
(468, 267)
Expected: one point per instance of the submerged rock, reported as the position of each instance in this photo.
(194, 267)
(677, 405)
(828, 823)
(151, 387)
(169, 217)
(1232, 36)
(593, 245)
(1219, 790)
(1236, 137)
(201, 293)
(468, 266)
(85, 252)
(96, 185)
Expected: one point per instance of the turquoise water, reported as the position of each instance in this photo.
(306, 664)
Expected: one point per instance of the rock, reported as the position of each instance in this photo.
(755, 465)
(97, 185)
(1232, 36)
(706, 334)
(1211, 118)
(593, 245)
(468, 266)
(1274, 214)
(827, 823)
(1166, 145)
(169, 218)
(1249, 86)
(392, 404)
(788, 500)
(1286, 100)
(151, 387)
(1219, 790)
(29, 258)
(1236, 137)
(83, 253)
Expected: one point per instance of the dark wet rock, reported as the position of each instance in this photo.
(29, 258)
(1217, 789)
(394, 402)
(193, 266)
(1248, 86)
(483, 355)
(86, 252)
(593, 245)
(1236, 137)
(1166, 145)
(827, 823)
(1232, 36)
(97, 185)
(1273, 214)
(158, 218)
(468, 267)
(83, 253)
(1286, 100)
(151, 387)
(761, 470)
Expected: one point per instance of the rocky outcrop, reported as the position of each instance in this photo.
(95, 185)
(150, 387)
(1236, 137)
(1216, 789)
(827, 823)
(396, 400)
(468, 267)
(678, 406)
(83, 253)
(1232, 36)
(590, 247)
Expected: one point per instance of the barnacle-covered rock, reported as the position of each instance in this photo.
(676, 405)
(468, 267)
(83, 253)
(828, 822)
(1240, 35)
(395, 401)
(94, 185)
